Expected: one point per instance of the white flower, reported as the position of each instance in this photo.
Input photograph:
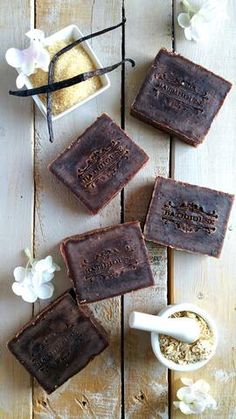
(29, 59)
(33, 282)
(194, 397)
(197, 22)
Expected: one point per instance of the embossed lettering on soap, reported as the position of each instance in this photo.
(189, 217)
(110, 263)
(180, 94)
(102, 164)
(47, 355)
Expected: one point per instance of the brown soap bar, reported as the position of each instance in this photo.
(59, 342)
(107, 262)
(99, 164)
(180, 97)
(188, 217)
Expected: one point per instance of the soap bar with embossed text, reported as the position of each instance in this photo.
(188, 217)
(99, 163)
(180, 97)
(59, 342)
(107, 262)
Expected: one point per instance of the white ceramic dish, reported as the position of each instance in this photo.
(167, 312)
(68, 33)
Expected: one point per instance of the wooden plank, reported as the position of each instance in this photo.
(205, 281)
(95, 392)
(146, 387)
(16, 197)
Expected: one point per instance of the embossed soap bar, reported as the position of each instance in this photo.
(180, 97)
(107, 262)
(188, 217)
(59, 342)
(99, 164)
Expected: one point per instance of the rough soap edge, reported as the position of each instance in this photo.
(162, 243)
(140, 116)
(92, 233)
(86, 312)
(95, 211)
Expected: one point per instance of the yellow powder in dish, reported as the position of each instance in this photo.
(70, 64)
(184, 353)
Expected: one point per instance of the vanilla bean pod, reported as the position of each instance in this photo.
(54, 86)
(58, 85)
(54, 61)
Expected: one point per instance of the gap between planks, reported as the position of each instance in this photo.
(169, 250)
(122, 217)
(34, 25)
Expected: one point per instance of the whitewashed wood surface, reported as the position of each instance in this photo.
(126, 381)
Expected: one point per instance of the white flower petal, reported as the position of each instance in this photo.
(197, 20)
(186, 394)
(28, 279)
(197, 23)
(43, 264)
(27, 67)
(183, 20)
(212, 10)
(56, 267)
(37, 279)
(14, 57)
(46, 277)
(187, 381)
(17, 288)
(29, 295)
(185, 408)
(46, 265)
(211, 402)
(40, 278)
(20, 273)
(198, 407)
(43, 59)
(194, 397)
(197, 33)
(188, 34)
(202, 386)
(45, 291)
(35, 34)
(20, 81)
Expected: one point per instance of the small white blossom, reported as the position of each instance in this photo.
(197, 22)
(33, 281)
(194, 398)
(29, 59)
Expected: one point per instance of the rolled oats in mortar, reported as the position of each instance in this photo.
(184, 353)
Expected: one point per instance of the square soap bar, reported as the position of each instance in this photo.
(59, 342)
(107, 262)
(180, 97)
(99, 163)
(188, 217)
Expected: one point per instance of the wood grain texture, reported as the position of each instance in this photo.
(95, 392)
(145, 380)
(207, 282)
(16, 197)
